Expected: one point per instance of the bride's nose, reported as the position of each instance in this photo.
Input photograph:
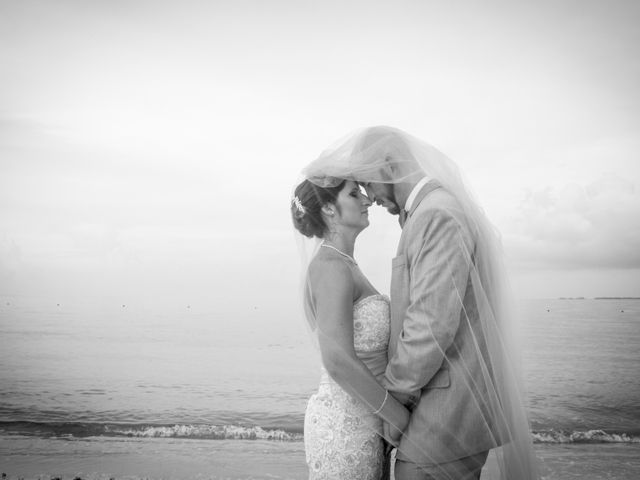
(366, 200)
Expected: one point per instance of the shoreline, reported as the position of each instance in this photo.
(290, 432)
(99, 458)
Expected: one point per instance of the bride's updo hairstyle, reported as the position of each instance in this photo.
(306, 207)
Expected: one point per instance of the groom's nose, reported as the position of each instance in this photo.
(370, 194)
(372, 198)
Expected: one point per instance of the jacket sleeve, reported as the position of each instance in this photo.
(439, 258)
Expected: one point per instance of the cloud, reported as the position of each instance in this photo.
(576, 227)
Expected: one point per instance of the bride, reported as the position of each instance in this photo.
(343, 426)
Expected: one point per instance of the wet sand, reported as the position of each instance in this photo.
(99, 458)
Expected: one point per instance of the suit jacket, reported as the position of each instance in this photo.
(437, 349)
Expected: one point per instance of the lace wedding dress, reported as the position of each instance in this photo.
(342, 437)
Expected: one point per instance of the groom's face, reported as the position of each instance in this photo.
(383, 194)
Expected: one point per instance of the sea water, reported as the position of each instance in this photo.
(100, 389)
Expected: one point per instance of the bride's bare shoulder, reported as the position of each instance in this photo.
(326, 266)
(330, 278)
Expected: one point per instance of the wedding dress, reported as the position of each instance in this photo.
(342, 437)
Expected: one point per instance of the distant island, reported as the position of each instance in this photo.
(616, 298)
(599, 298)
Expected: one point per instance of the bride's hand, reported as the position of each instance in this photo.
(391, 434)
(395, 421)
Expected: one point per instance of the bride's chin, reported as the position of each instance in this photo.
(362, 227)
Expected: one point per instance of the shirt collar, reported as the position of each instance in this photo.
(414, 193)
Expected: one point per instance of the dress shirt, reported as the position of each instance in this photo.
(414, 193)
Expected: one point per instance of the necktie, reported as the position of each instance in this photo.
(402, 217)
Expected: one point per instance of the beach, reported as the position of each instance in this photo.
(155, 459)
(101, 391)
(161, 172)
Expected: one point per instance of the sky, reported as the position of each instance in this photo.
(148, 149)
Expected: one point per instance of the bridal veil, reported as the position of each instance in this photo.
(365, 157)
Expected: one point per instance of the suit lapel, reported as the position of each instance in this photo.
(400, 281)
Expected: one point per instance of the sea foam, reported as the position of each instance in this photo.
(589, 436)
(217, 432)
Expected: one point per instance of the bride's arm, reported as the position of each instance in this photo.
(333, 290)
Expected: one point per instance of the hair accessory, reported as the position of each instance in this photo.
(298, 204)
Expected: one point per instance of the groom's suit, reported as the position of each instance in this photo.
(436, 336)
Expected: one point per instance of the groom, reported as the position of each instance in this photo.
(437, 355)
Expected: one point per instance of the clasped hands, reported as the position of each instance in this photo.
(393, 433)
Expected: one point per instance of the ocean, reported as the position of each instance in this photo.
(101, 389)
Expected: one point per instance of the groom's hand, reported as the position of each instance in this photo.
(407, 399)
